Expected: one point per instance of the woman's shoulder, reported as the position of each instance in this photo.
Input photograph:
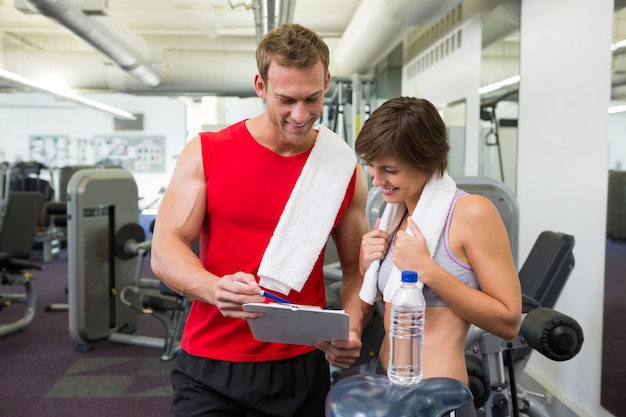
(474, 208)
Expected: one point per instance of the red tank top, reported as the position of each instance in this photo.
(247, 187)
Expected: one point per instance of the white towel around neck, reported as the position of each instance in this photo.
(430, 215)
(309, 215)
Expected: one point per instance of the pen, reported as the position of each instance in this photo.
(266, 294)
(273, 297)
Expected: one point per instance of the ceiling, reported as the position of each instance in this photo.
(200, 47)
(194, 46)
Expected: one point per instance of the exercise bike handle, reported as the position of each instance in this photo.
(553, 334)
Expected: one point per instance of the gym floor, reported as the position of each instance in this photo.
(43, 375)
(614, 329)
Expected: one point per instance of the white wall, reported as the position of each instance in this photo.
(23, 115)
(27, 114)
(562, 169)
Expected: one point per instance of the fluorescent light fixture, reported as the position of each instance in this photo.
(617, 109)
(27, 82)
(495, 86)
(618, 45)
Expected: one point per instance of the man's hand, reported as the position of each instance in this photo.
(342, 353)
(232, 291)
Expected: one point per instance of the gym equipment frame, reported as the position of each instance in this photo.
(106, 250)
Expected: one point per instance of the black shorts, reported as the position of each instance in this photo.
(291, 387)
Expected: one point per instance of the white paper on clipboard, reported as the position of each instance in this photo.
(294, 324)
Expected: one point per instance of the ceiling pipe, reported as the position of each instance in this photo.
(378, 26)
(103, 32)
(231, 73)
(269, 14)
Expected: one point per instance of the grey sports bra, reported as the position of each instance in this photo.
(444, 258)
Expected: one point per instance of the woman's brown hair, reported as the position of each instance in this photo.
(409, 129)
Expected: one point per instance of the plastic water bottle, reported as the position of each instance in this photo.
(407, 332)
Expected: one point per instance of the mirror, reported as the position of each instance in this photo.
(499, 92)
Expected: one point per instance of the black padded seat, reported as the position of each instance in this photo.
(19, 223)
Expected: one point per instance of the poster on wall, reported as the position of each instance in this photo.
(141, 154)
(50, 150)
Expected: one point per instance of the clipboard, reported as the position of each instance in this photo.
(296, 324)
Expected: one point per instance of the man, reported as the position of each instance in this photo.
(233, 188)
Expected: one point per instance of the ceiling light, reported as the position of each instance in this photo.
(495, 86)
(17, 79)
(618, 45)
(617, 109)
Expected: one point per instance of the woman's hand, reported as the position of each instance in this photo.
(374, 246)
(409, 250)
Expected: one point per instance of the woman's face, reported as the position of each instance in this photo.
(398, 181)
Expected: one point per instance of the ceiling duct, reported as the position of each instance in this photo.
(379, 25)
(269, 14)
(103, 32)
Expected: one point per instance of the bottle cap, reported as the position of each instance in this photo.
(409, 276)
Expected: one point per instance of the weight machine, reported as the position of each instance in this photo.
(106, 253)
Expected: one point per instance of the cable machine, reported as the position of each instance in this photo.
(347, 106)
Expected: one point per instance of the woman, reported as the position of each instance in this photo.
(468, 273)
